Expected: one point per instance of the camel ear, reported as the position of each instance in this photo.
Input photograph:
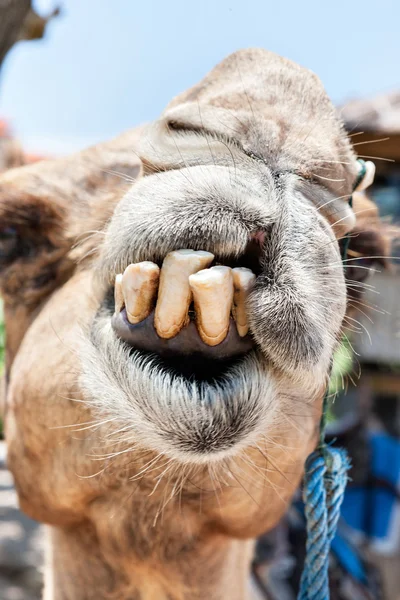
(48, 207)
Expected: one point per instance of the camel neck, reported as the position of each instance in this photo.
(80, 567)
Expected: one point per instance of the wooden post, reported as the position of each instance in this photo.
(18, 21)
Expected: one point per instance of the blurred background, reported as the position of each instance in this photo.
(74, 73)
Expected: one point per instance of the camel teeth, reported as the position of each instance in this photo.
(213, 295)
(243, 282)
(118, 295)
(184, 277)
(139, 288)
(174, 295)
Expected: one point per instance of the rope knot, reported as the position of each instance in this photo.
(324, 485)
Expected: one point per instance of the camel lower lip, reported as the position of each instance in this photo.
(187, 342)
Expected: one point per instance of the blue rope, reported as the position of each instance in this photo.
(325, 482)
(324, 485)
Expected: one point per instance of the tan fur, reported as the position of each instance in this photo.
(128, 522)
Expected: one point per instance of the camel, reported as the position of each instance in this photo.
(173, 299)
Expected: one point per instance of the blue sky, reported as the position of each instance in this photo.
(107, 65)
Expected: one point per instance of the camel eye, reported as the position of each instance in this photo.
(8, 243)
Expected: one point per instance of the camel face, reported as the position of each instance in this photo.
(213, 292)
(241, 184)
(164, 356)
(173, 299)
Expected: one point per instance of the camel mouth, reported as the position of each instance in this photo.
(189, 314)
(172, 358)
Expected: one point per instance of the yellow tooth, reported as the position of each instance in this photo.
(243, 281)
(174, 295)
(118, 295)
(139, 287)
(212, 294)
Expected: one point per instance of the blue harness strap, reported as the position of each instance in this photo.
(325, 479)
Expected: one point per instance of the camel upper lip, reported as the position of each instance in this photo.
(143, 336)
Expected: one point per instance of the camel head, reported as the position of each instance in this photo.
(173, 299)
